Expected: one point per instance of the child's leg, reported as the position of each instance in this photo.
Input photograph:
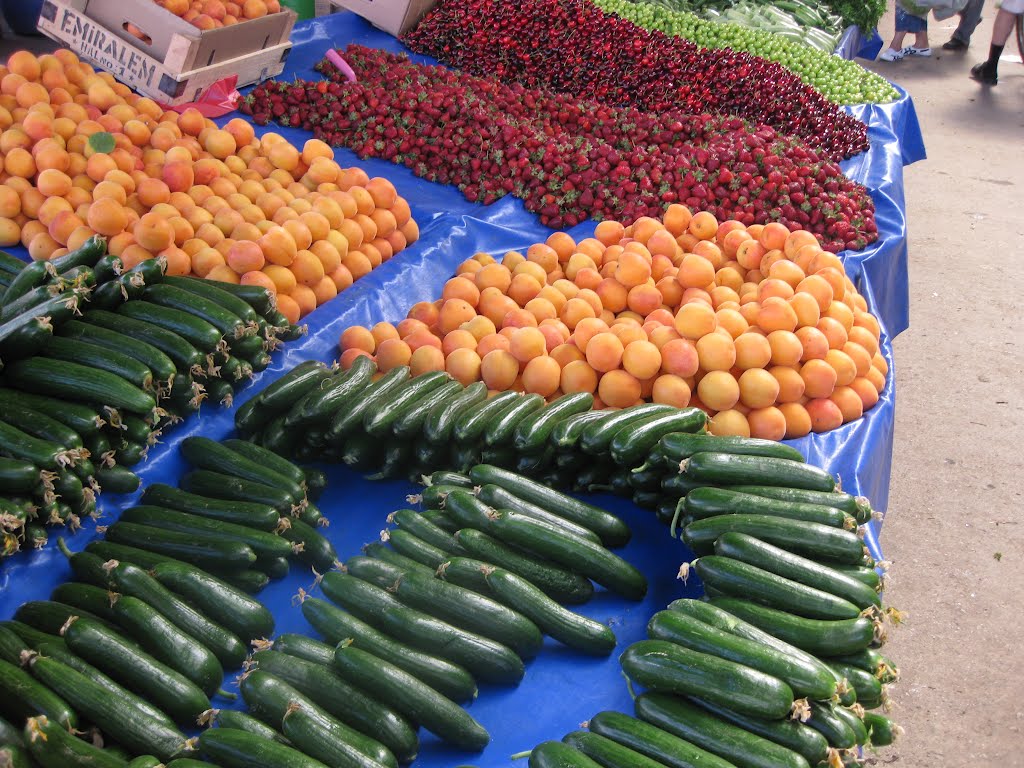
(921, 39)
(897, 40)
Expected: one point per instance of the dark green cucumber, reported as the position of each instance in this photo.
(607, 752)
(301, 646)
(501, 430)
(834, 728)
(159, 364)
(235, 611)
(93, 356)
(243, 721)
(414, 523)
(612, 531)
(117, 479)
(733, 469)
(802, 537)
(415, 548)
(52, 746)
(330, 691)
(95, 601)
(309, 544)
(50, 616)
(323, 400)
(210, 291)
(382, 414)
(486, 659)
(865, 575)
(82, 419)
(183, 354)
(263, 543)
(740, 579)
(867, 686)
(671, 668)
(30, 276)
(474, 422)
(287, 390)
(555, 754)
(800, 569)
(570, 628)
(196, 331)
(316, 482)
(259, 516)
(336, 625)
(233, 748)
(17, 476)
(257, 297)
(85, 255)
(441, 417)
(210, 455)
(451, 603)
(499, 498)
(349, 415)
(273, 461)
(120, 718)
(589, 559)
(227, 323)
(631, 444)
(24, 696)
(79, 383)
(805, 677)
(566, 433)
(653, 742)
(182, 546)
(596, 438)
(451, 393)
(532, 434)
(220, 392)
(362, 452)
(379, 551)
(857, 507)
(871, 661)
(560, 584)
(467, 573)
(406, 694)
(230, 488)
(271, 699)
(791, 733)
(730, 742)
(45, 454)
(709, 502)
(812, 635)
(274, 567)
(881, 730)
(681, 445)
(395, 461)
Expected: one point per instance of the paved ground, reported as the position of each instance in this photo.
(955, 535)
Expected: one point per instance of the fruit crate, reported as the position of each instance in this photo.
(163, 56)
(396, 17)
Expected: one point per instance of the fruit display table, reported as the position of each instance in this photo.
(561, 688)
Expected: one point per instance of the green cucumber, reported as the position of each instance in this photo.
(569, 628)
(52, 746)
(117, 715)
(414, 523)
(379, 416)
(309, 544)
(447, 477)
(79, 383)
(555, 754)
(740, 579)
(560, 584)
(362, 452)
(681, 445)
(233, 748)
(329, 690)
(499, 498)
(670, 668)
(870, 661)
(287, 390)
(631, 444)
(608, 753)
(209, 290)
(450, 394)
(834, 728)
(732, 469)
(204, 453)
(566, 434)
(336, 625)
(854, 722)
(227, 323)
(452, 603)
(434, 495)
(243, 721)
(801, 537)
(881, 730)
(217, 555)
(50, 616)
(659, 745)
(117, 479)
(805, 677)
(82, 419)
(323, 400)
(815, 636)
(272, 461)
(532, 434)
(263, 543)
(709, 502)
(596, 438)
(348, 418)
(85, 255)
(272, 699)
(471, 426)
(589, 559)
(394, 462)
(441, 417)
(857, 507)
(17, 476)
(274, 567)
(95, 601)
(379, 551)
(865, 575)
(182, 353)
(45, 454)
(415, 548)
(160, 364)
(440, 519)
(218, 485)
(145, 761)
(501, 430)
(730, 742)
(259, 516)
(870, 693)
(174, 693)
(800, 569)
(93, 356)
(30, 276)
(301, 646)
(406, 694)
(257, 297)
(24, 696)
(196, 331)
(486, 659)
(466, 573)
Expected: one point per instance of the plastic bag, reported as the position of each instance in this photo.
(216, 101)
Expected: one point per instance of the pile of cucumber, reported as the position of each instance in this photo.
(97, 362)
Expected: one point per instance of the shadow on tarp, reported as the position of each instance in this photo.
(561, 689)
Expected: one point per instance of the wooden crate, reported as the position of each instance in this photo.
(175, 62)
(396, 17)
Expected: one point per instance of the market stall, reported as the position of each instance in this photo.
(561, 689)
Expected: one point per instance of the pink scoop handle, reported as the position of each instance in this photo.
(335, 58)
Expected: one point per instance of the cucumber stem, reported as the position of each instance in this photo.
(521, 755)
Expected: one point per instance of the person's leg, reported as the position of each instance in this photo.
(895, 50)
(970, 18)
(987, 71)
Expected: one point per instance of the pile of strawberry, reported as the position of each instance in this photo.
(574, 47)
(568, 159)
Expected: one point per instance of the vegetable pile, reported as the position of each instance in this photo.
(578, 49)
(568, 160)
(758, 326)
(839, 80)
(85, 156)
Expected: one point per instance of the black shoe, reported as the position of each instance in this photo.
(983, 74)
(954, 44)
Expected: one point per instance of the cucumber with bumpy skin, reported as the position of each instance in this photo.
(23, 696)
(474, 422)
(732, 469)
(630, 445)
(607, 752)
(681, 445)
(802, 537)
(52, 746)
(240, 749)
(439, 420)
(555, 754)
(532, 434)
(79, 383)
(259, 516)
(707, 502)
(597, 437)
(668, 750)
(857, 507)
(210, 455)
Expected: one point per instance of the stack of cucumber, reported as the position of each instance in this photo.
(97, 362)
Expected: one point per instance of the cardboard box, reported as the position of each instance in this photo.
(396, 17)
(174, 62)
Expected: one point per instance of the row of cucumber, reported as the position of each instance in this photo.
(87, 390)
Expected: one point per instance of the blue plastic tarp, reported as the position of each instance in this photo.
(561, 688)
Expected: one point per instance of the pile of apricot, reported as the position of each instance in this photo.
(211, 14)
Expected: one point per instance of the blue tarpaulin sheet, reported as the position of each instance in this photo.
(561, 688)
